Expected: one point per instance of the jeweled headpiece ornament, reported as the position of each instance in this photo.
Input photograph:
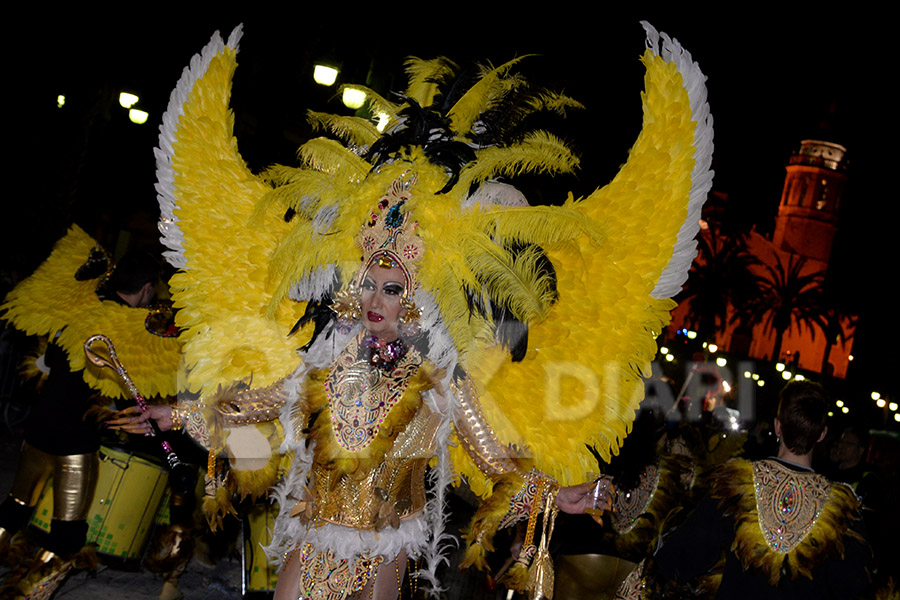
(389, 239)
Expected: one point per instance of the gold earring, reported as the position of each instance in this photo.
(347, 306)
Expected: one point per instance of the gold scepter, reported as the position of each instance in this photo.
(116, 365)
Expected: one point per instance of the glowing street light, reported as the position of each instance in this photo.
(721, 361)
(663, 350)
(60, 101)
(127, 100)
(779, 367)
(713, 348)
(875, 395)
(353, 98)
(760, 383)
(893, 406)
(786, 375)
(747, 374)
(691, 334)
(839, 403)
(137, 116)
(845, 410)
(324, 75)
(880, 403)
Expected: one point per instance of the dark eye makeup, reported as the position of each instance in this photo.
(391, 288)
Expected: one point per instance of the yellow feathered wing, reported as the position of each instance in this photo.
(207, 197)
(52, 300)
(580, 381)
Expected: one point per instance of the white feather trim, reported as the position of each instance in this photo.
(441, 350)
(676, 271)
(172, 237)
(494, 193)
(439, 480)
(328, 346)
(316, 285)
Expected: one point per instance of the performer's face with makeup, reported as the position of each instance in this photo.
(380, 300)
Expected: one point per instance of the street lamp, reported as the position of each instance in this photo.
(324, 75)
(127, 100)
(353, 98)
(137, 116)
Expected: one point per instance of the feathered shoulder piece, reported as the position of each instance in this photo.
(61, 297)
(552, 311)
(643, 514)
(786, 522)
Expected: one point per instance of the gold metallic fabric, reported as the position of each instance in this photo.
(393, 490)
(540, 574)
(360, 396)
(789, 503)
(482, 445)
(629, 505)
(252, 405)
(324, 577)
(590, 576)
(74, 481)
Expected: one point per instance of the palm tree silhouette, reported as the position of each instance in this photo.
(834, 330)
(720, 276)
(788, 299)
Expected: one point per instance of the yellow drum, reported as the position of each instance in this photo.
(129, 491)
(258, 575)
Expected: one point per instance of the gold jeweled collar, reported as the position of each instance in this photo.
(631, 504)
(360, 396)
(788, 503)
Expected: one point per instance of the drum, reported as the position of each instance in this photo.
(259, 576)
(126, 502)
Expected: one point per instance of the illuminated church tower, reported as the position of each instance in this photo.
(808, 214)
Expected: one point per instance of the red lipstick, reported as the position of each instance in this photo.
(374, 317)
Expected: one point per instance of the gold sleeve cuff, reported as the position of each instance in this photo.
(529, 500)
(476, 435)
(250, 406)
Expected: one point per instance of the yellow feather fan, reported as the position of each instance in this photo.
(52, 301)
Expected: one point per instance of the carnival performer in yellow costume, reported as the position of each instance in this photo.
(74, 294)
(446, 329)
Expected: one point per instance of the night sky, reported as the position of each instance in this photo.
(775, 77)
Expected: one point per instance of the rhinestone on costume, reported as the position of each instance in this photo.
(788, 503)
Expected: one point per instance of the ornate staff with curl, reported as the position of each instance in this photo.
(116, 365)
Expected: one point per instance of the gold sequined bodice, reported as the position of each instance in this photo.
(386, 492)
(376, 478)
